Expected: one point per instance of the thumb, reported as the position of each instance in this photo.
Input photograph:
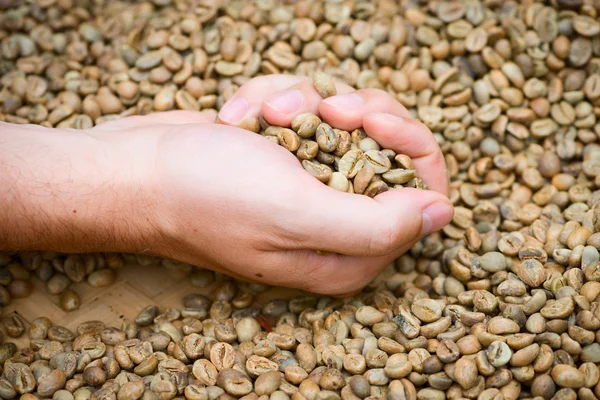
(356, 225)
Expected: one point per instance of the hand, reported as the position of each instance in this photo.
(174, 185)
(235, 202)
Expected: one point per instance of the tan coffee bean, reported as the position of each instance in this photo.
(363, 178)
(108, 102)
(427, 310)
(558, 309)
(567, 376)
(100, 278)
(338, 182)
(493, 262)
(319, 171)
(351, 163)
(132, 390)
(447, 351)
(499, 325)
(327, 138)
(289, 139)
(465, 373)
(369, 316)
(355, 363)
(378, 161)
(360, 386)
(468, 345)
(399, 176)
(94, 375)
(205, 372)
(69, 300)
(222, 355)
(267, 383)
(525, 356)
(499, 354)
(295, 374)
(164, 99)
(324, 84)
(305, 125)
(234, 382)
(185, 101)
(149, 60)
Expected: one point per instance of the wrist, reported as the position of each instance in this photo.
(69, 191)
(128, 160)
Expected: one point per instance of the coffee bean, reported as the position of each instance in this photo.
(378, 161)
(234, 382)
(369, 315)
(308, 150)
(567, 376)
(288, 139)
(100, 278)
(327, 138)
(69, 300)
(319, 171)
(427, 310)
(338, 181)
(323, 84)
(305, 125)
(267, 383)
(351, 163)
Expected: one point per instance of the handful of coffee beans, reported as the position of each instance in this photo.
(347, 161)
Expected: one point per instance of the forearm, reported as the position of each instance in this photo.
(65, 191)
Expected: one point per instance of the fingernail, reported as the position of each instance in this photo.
(347, 101)
(286, 102)
(390, 118)
(234, 111)
(436, 216)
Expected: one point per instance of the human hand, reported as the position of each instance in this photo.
(174, 185)
(240, 204)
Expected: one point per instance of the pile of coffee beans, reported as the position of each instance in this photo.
(57, 271)
(503, 303)
(348, 162)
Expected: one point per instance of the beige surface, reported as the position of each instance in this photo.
(136, 287)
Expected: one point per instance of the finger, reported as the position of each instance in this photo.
(281, 108)
(335, 275)
(357, 272)
(411, 137)
(306, 270)
(279, 98)
(176, 117)
(248, 99)
(346, 111)
(364, 226)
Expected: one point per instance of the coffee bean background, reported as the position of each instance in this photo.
(503, 303)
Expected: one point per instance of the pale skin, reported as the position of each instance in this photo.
(178, 185)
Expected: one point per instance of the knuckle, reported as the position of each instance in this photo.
(430, 145)
(426, 131)
(384, 240)
(329, 276)
(337, 286)
(324, 276)
(434, 151)
(256, 82)
(374, 92)
(257, 79)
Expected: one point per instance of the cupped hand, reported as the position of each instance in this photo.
(229, 200)
(279, 98)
